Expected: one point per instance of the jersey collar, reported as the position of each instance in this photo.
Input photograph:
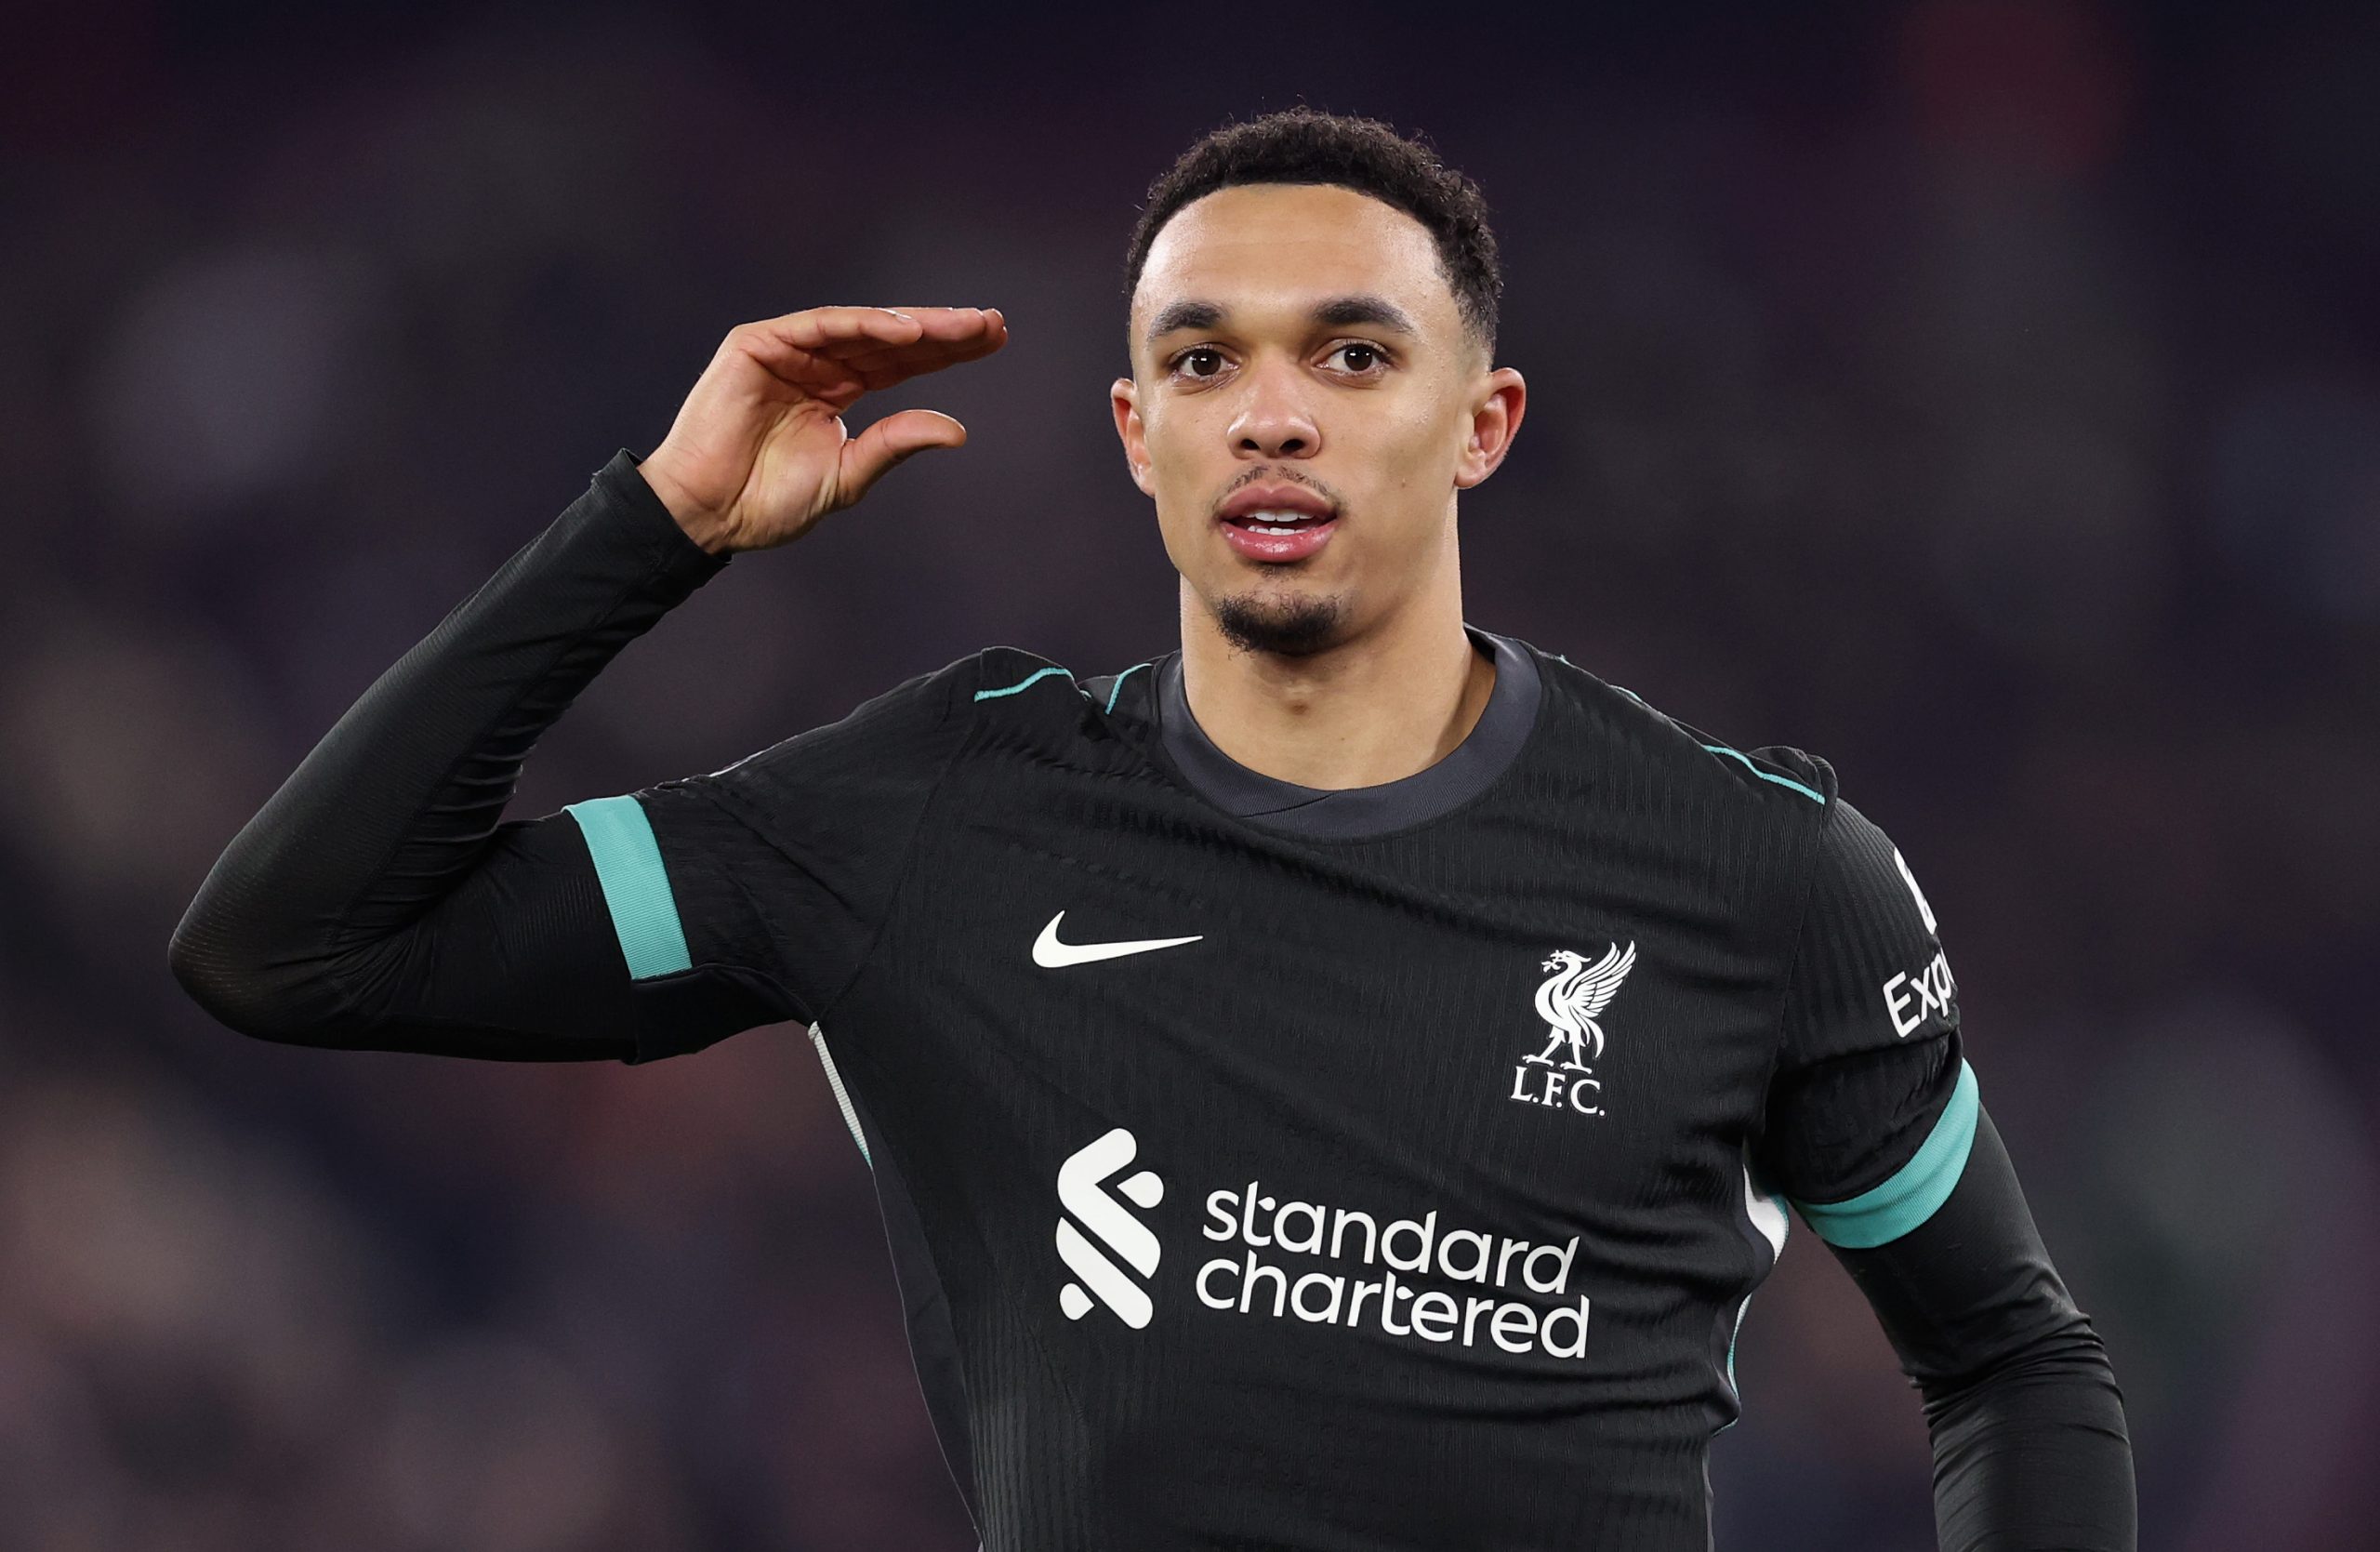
(1340, 813)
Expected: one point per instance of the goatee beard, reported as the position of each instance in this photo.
(1294, 626)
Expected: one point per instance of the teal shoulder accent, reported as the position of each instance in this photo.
(1916, 1189)
(1734, 754)
(1810, 792)
(1118, 688)
(1030, 679)
(1564, 658)
(636, 887)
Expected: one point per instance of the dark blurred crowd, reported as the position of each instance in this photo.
(1983, 395)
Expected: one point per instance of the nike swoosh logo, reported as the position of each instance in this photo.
(1049, 954)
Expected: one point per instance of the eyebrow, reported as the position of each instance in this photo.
(1363, 307)
(1186, 315)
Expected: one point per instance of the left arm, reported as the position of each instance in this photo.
(1874, 1130)
(2030, 1445)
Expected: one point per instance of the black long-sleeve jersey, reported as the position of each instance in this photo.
(1264, 1166)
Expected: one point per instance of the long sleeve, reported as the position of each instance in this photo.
(2031, 1450)
(378, 901)
(1875, 1131)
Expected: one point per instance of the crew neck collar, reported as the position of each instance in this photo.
(1338, 814)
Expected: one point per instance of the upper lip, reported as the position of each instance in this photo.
(1274, 498)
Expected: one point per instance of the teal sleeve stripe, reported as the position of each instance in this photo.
(1810, 792)
(636, 887)
(1029, 679)
(1918, 1188)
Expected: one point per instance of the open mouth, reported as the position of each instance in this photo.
(1277, 522)
(1276, 535)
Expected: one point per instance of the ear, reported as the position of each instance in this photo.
(1123, 399)
(1495, 420)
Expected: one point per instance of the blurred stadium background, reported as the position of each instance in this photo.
(1984, 395)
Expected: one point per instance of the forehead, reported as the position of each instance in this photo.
(1286, 244)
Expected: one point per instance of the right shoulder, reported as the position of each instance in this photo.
(1018, 677)
(928, 715)
(913, 727)
(1009, 678)
(999, 700)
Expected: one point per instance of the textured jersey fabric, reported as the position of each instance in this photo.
(1353, 1040)
(1264, 1166)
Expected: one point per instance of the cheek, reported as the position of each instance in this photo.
(1413, 445)
(1175, 483)
(1182, 454)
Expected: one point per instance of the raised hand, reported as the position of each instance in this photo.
(759, 451)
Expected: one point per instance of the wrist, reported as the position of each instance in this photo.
(705, 527)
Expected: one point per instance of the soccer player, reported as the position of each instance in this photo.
(1335, 1085)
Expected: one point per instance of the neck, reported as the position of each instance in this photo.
(1376, 707)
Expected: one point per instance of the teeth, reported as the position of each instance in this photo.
(1277, 522)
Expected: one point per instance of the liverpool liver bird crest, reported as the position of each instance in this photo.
(1572, 996)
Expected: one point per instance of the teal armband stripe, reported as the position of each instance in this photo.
(1884, 1214)
(636, 887)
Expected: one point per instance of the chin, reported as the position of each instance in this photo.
(1286, 624)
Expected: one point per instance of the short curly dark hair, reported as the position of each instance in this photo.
(1306, 145)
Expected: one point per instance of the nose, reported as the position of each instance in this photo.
(1275, 421)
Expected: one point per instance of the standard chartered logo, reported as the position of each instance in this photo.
(1412, 1277)
(1082, 1191)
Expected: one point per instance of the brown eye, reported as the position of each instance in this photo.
(1360, 358)
(1191, 359)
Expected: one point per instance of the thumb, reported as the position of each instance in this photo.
(867, 456)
